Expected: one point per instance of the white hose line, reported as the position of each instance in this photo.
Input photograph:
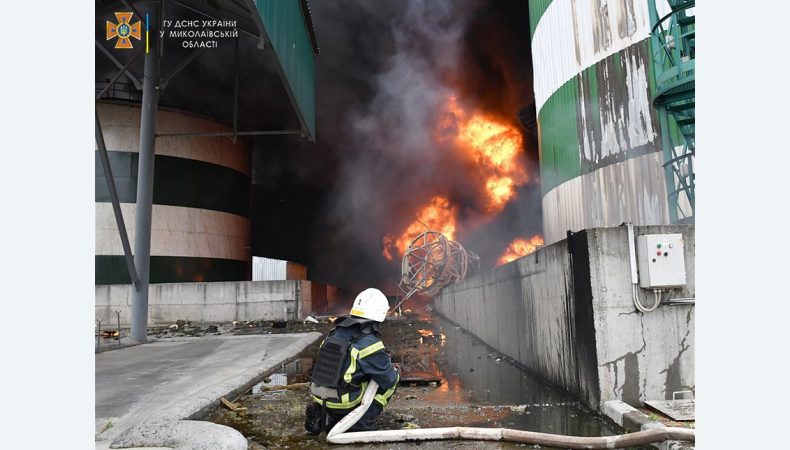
(353, 417)
(338, 435)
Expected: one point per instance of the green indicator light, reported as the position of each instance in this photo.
(658, 246)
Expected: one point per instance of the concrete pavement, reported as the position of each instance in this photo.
(146, 394)
(634, 420)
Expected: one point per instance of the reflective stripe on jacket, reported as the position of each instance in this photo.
(366, 360)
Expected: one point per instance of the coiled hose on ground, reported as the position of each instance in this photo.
(338, 435)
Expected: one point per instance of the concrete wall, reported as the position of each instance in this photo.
(566, 312)
(313, 297)
(213, 302)
(640, 356)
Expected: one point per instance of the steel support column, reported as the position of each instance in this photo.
(145, 177)
(235, 89)
(116, 204)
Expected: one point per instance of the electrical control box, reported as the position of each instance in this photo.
(661, 262)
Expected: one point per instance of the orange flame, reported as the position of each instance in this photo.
(437, 215)
(492, 146)
(425, 333)
(519, 248)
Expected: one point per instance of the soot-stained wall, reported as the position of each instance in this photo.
(566, 313)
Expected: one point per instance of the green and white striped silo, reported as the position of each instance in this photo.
(601, 143)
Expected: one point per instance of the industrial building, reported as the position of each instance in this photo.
(605, 310)
(614, 94)
(172, 181)
(200, 229)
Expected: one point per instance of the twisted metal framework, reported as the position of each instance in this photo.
(432, 262)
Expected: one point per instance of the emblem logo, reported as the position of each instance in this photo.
(124, 30)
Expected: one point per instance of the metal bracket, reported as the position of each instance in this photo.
(118, 64)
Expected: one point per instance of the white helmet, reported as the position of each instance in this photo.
(371, 304)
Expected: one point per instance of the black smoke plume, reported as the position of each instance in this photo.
(385, 67)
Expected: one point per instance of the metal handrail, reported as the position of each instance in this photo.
(670, 15)
(117, 90)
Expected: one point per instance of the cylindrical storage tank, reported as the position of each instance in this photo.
(601, 161)
(200, 227)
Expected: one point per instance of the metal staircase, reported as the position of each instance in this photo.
(673, 50)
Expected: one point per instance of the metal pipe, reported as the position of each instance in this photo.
(338, 434)
(118, 314)
(145, 179)
(228, 133)
(98, 335)
(680, 301)
(235, 90)
(632, 254)
(116, 205)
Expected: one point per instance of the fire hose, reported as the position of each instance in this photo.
(338, 434)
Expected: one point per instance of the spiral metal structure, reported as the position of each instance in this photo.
(432, 262)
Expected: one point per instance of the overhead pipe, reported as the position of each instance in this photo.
(339, 435)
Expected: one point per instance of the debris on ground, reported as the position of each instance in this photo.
(404, 418)
(444, 390)
(287, 387)
(233, 406)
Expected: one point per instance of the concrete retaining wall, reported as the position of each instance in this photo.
(215, 302)
(566, 312)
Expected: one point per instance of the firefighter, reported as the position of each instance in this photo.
(350, 356)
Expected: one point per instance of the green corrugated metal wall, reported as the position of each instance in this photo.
(536, 10)
(558, 137)
(287, 32)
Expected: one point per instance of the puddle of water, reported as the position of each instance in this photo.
(478, 388)
(297, 371)
(474, 373)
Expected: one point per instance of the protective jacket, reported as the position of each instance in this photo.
(363, 359)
